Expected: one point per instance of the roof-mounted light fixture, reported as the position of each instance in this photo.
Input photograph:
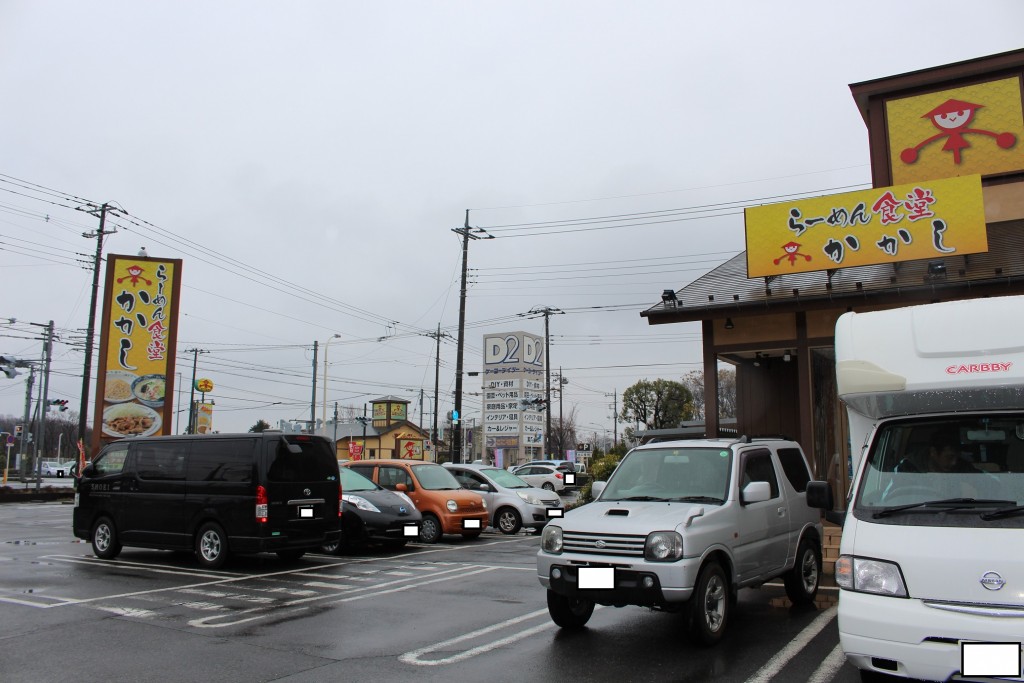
(668, 296)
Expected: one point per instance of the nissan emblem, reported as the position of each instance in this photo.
(992, 581)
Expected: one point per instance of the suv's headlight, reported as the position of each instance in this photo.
(529, 498)
(360, 502)
(870, 576)
(551, 540)
(663, 546)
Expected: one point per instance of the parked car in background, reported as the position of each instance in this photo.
(446, 507)
(512, 502)
(371, 513)
(542, 476)
(52, 468)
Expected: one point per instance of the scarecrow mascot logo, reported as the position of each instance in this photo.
(953, 119)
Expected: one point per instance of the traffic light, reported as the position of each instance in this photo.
(8, 366)
(61, 403)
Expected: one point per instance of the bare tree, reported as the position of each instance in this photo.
(563, 433)
(694, 381)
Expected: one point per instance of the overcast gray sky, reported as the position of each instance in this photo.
(308, 161)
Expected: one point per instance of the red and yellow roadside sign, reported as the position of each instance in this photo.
(138, 338)
(918, 220)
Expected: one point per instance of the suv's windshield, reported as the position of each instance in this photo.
(672, 474)
(434, 477)
(953, 471)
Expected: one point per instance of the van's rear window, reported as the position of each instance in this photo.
(314, 463)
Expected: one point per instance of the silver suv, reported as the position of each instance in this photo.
(683, 525)
(513, 503)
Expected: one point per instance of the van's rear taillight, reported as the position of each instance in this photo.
(261, 504)
(339, 498)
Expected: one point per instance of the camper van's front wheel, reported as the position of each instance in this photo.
(569, 612)
(211, 546)
(709, 606)
(104, 539)
(802, 580)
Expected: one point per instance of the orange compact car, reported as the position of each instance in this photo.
(447, 508)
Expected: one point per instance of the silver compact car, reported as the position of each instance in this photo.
(513, 503)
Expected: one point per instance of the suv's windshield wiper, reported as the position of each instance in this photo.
(697, 499)
(647, 498)
(1004, 512)
(943, 505)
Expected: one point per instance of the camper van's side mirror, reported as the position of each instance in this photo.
(819, 495)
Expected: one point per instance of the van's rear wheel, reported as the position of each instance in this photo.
(211, 546)
(570, 613)
(709, 606)
(802, 580)
(430, 529)
(104, 539)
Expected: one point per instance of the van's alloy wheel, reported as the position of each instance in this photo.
(211, 546)
(104, 539)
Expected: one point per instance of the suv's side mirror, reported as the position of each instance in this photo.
(597, 488)
(756, 492)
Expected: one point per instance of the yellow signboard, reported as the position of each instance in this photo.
(398, 411)
(410, 449)
(914, 221)
(961, 131)
(380, 411)
(204, 418)
(137, 346)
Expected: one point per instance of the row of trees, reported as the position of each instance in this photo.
(665, 404)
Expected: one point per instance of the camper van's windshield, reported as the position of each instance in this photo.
(954, 471)
(699, 475)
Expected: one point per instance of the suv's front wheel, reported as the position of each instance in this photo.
(569, 612)
(709, 606)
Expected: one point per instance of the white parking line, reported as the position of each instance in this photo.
(775, 664)
(413, 657)
(830, 667)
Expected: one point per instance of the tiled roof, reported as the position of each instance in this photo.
(726, 289)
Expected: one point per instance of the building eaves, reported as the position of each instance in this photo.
(727, 290)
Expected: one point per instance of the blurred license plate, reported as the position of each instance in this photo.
(998, 660)
(305, 511)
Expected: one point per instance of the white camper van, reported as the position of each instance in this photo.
(931, 562)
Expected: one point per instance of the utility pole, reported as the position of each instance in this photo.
(467, 234)
(42, 404)
(615, 415)
(91, 327)
(437, 378)
(27, 426)
(547, 312)
(191, 429)
(312, 403)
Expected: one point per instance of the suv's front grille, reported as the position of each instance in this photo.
(603, 544)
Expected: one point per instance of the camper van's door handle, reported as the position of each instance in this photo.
(782, 512)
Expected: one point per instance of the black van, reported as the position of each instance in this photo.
(212, 493)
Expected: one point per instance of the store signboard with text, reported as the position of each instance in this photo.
(138, 339)
(921, 220)
(513, 372)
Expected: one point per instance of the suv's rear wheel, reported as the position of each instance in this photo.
(803, 579)
(211, 546)
(548, 486)
(569, 612)
(508, 521)
(709, 606)
(104, 539)
(430, 529)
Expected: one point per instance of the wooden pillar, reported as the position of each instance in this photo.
(805, 390)
(710, 380)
